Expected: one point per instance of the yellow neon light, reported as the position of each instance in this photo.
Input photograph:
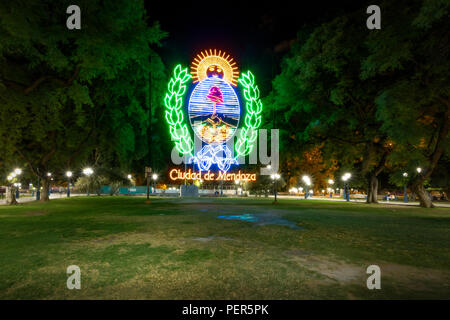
(204, 60)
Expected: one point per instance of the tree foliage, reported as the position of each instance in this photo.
(68, 95)
(375, 99)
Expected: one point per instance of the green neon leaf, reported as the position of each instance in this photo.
(186, 78)
(252, 120)
(173, 102)
(243, 82)
(247, 95)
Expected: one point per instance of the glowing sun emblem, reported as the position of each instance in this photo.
(213, 63)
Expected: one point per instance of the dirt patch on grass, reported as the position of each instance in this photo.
(422, 279)
(411, 278)
(331, 268)
(210, 238)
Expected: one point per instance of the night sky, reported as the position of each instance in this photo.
(256, 34)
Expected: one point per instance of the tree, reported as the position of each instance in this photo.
(325, 101)
(67, 94)
(412, 49)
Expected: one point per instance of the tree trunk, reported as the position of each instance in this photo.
(372, 193)
(424, 199)
(45, 190)
(11, 196)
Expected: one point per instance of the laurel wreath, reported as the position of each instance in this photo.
(174, 114)
(252, 121)
(179, 132)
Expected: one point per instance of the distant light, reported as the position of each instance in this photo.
(155, 176)
(49, 174)
(237, 181)
(10, 178)
(307, 180)
(323, 191)
(69, 174)
(129, 176)
(88, 171)
(419, 169)
(269, 167)
(346, 176)
(405, 174)
(17, 171)
(330, 181)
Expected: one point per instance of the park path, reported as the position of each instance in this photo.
(400, 203)
(416, 204)
(52, 196)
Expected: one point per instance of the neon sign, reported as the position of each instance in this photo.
(214, 110)
(177, 174)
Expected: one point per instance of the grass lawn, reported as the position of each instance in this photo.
(179, 249)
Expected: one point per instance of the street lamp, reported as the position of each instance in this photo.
(307, 181)
(68, 175)
(17, 172)
(275, 178)
(331, 182)
(87, 172)
(405, 195)
(237, 182)
(345, 178)
(154, 177)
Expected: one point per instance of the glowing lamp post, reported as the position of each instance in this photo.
(330, 183)
(275, 178)
(17, 173)
(68, 175)
(345, 178)
(88, 172)
(405, 195)
(307, 181)
(154, 177)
